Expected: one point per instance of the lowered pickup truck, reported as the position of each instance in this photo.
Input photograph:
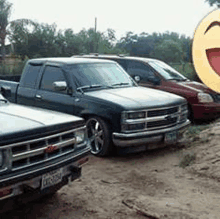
(203, 103)
(117, 111)
(40, 151)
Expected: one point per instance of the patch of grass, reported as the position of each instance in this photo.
(193, 131)
(187, 159)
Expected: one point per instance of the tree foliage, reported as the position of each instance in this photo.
(169, 47)
(32, 39)
(213, 2)
(5, 11)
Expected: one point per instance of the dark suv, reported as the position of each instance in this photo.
(203, 103)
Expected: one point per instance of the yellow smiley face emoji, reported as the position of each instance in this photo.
(206, 50)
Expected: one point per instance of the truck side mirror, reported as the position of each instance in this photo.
(137, 78)
(59, 85)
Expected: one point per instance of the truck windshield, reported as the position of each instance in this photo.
(167, 71)
(103, 74)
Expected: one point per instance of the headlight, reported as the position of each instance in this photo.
(134, 115)
(80, 136)
(204, 98)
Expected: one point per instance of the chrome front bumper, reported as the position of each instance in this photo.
(140, 138)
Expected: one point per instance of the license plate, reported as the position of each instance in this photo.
(171, 137)
(51, 178)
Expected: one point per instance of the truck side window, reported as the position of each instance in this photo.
(122, 63)
(51, 74)
(30, 74)
(139, 69)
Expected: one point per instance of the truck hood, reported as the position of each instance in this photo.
(16, 118)
(137, 97)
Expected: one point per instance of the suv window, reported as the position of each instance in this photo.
(145, 73)
(52, 74)
(122, 63)
(30, 74)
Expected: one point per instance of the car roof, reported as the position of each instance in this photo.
(117, 57)
(68, 60)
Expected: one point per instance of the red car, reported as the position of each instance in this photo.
(204, 103)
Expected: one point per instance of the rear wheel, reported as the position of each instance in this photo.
(99, 136)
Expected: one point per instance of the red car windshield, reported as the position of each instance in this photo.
(167, 71)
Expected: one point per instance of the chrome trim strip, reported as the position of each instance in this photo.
(41, 150)
(86, 150)
(122, 139)
(43, 138)
(153, 109)
(149, 119)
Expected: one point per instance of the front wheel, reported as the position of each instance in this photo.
(99, 136)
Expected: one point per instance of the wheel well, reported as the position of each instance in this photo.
(190, 112)
(86, 116)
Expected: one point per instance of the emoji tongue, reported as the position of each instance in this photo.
(213, 56)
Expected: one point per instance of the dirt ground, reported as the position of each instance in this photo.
(150, 184)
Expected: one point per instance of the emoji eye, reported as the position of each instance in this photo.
(215, 23)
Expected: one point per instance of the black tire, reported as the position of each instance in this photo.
(190, 114)
(99, 135)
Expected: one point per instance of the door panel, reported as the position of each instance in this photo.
(49, 98)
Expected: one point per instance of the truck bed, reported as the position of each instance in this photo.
(9, 88)
(15, 78)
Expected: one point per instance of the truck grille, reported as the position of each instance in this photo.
(162, 123)
(162, 112)
(154, 119)
(27, 153)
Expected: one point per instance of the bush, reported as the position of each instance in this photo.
(187, 159)
(12, 68)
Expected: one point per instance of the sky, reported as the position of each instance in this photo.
(180, 16)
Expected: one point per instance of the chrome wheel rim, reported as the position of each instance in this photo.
(95, 135)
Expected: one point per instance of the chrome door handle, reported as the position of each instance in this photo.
(38, 96)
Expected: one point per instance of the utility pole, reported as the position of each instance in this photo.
(96, 39)
(95, 24)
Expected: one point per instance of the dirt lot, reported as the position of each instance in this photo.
(152, 184)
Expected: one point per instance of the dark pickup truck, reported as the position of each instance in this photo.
(117, 111)
(203, 103)
(40, 151)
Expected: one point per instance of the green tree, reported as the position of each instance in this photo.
(19, 32)
(5, 11)
(34, 39)
(213, 2)
(168, 51)
(6, 24)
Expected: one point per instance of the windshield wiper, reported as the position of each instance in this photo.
(120, 84)
(177, 79)
(89, 87)
(4, 100)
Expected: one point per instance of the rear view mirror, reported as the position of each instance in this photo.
(60, 85)
(137, 78)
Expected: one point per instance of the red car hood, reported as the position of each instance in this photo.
(196, 86)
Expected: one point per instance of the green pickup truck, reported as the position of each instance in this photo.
(117, 111)
(40, 151)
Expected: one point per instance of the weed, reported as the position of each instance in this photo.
(193, 131)
(187, 159)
